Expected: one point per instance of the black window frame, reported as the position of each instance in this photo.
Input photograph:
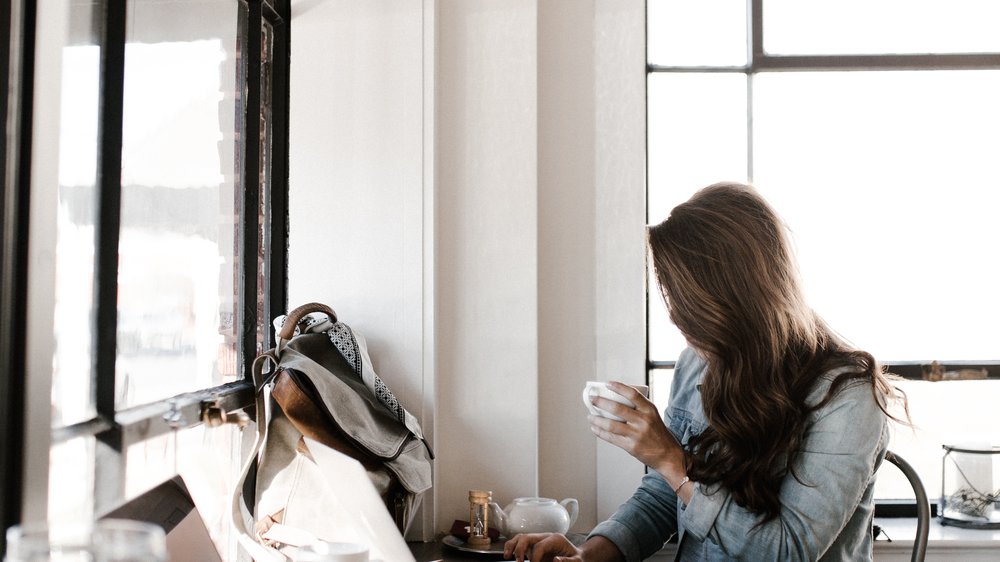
(17, 26)
(759, 61)
(115, 430)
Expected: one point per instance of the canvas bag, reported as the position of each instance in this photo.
(318, 381)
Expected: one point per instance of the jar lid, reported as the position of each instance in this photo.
(974, 448)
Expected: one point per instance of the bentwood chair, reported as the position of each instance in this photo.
(923, 506)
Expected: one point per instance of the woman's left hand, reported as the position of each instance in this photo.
(643, 433)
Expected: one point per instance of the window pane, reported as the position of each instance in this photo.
(944, 413)
(178, 259)
(697, 32)
(659, 387)
(890, 182)
(697, 136)
(72, 391)
(847, 27)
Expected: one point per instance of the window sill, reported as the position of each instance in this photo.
(902, 530)
(944, 543)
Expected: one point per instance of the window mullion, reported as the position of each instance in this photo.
(112, 72)
(250, 194)
(110, 458)
(278, 196)
(18, 38)
(755, 20)
(829, 63)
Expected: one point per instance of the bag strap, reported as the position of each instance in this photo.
(298, 313)
(242, 515)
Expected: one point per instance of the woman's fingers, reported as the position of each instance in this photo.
(520, 546)
(642, 435)
(612, 407)
(540, 547)
(625, 390)
(630, 392)
(627, 413)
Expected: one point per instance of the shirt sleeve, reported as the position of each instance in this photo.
(646, 521)
(840, 453)
(649, 518)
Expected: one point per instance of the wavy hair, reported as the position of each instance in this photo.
(727, 273)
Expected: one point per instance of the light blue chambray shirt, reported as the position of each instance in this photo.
(828, 518)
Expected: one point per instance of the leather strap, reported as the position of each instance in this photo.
(297, 314)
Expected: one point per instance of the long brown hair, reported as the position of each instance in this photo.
(726, 271)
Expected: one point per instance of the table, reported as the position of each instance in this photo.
(436, 551)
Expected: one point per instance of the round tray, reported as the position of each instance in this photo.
(495, 548)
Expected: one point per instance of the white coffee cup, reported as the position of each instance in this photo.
(322, 551)
(598, 388)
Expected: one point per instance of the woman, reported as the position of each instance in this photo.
(775, 428)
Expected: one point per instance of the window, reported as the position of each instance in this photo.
(879, 150)
(169, 242)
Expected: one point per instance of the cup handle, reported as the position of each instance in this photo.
(587, 393)
(573, 507)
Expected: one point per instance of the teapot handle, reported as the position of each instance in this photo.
(572, 507)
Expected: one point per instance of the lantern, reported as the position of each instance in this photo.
(970, 486)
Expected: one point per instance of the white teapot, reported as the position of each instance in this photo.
(535, 515)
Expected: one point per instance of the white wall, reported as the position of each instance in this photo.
(357, 192)
(486, 247)
(467, 188)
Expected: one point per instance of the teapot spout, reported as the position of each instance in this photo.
(572, 508)
(498, 517)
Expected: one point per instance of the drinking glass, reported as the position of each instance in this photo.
(125, 540)
(108, 540)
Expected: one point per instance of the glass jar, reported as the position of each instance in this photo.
(970, 486)
(108, 540)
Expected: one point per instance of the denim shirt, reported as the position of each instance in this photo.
(827, 516)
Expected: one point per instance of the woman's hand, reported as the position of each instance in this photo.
(643, 433)
(541, 547)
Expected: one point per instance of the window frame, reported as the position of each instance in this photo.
(758, 62)
(17, 26)
(115, 430)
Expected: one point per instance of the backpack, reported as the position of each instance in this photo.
(319, 384)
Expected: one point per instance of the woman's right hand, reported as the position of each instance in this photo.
(552, 547)
(541, 547)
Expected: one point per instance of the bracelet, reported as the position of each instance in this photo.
(681, 485)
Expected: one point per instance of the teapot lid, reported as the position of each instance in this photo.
(534, 501)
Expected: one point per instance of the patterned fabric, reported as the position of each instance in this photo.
(343, 339)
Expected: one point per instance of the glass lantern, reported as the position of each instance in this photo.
(970, 486)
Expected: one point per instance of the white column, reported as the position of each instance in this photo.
(486, 250)
(567, 259)
(620, 169)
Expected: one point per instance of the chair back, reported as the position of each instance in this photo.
(923, 505)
